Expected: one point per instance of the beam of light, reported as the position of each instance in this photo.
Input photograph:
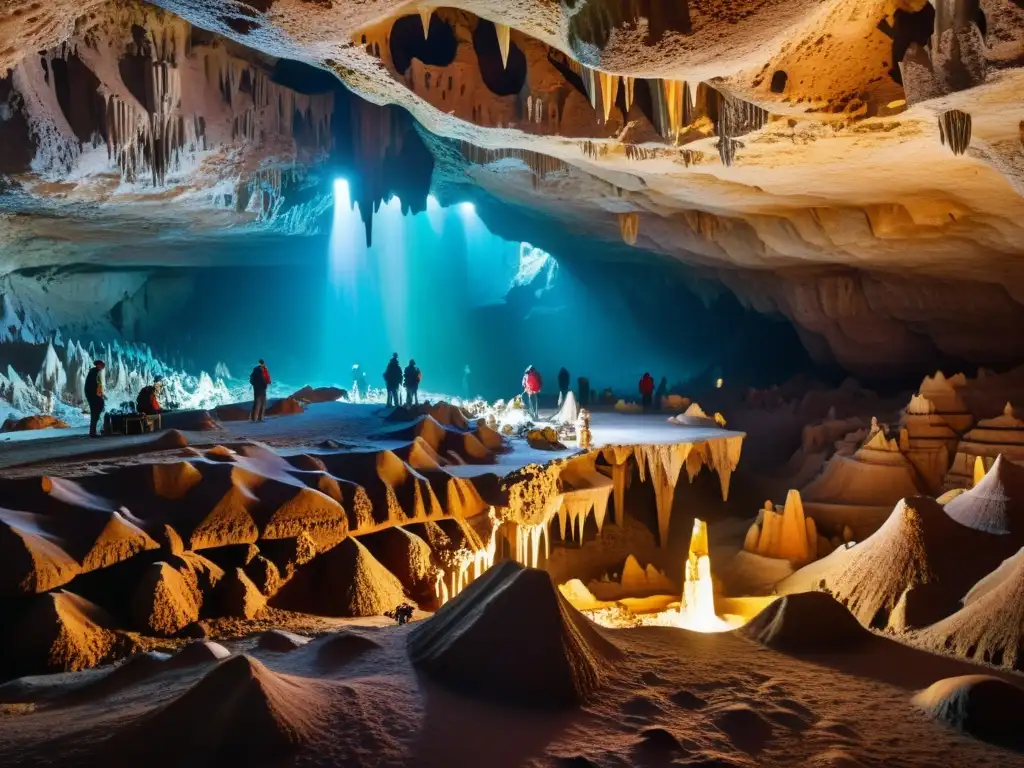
(467, 208)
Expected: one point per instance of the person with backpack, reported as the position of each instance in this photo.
(563, 385)
(532, 383)
(647, 391)
(147, 401)
(413, 375)
(94, 395)
(393, 380)
(260, 381)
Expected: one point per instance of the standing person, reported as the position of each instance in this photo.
(413, 375)
(563, 385)
(583, 383)
(467, 392)
(393, 380)
(360, 387)
(94, 395)
(260, 380)
(662, 393)
(647, 390)
(532, 383)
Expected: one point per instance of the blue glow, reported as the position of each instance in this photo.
(468, 208)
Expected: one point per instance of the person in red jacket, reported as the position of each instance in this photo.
(532, 383)
(647, 390)
(147, 401)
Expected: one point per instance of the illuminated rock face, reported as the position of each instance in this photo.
(713, 152)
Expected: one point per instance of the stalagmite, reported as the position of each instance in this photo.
(697, 609)
(504, 40)
(793, 544)
(955, 130)
(609, 91)
(790, 536)
(425, 16)
(629, 226)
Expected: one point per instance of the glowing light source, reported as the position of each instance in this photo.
(697, 610)
(718, 384)
(341, 188)
(467, 207)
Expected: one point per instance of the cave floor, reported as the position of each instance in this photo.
(349, 425)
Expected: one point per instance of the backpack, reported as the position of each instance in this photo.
(256, 378)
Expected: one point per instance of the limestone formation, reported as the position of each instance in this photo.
(789, 535)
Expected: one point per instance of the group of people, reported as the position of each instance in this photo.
(533, 383)
(395, 377)
(147, 402)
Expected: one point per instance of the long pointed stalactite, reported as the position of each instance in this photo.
(955, 130)
(629, 227)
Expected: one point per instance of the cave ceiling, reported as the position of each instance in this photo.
(855, 165)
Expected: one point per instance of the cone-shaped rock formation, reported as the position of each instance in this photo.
(510, 636)
(805, 622)
(344, 581)
(995, 504)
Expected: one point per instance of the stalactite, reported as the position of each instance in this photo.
(629, 227)
(589, 78)
(734, 117)
(629, 84)
(593, 150)
(672, 108)
(619, 477)
(955, 130)
(540, 165)
(609, 92)
(504, 40)
(425, 16)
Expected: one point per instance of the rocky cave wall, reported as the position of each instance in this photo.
(853, 166)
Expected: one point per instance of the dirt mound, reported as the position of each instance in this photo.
(285, 406)
(421, 456)
(409, 558)
(60, 632)
(280, 641)
(341, 648)
(545, 439)
(985, 707)
(307, 463)
(169, 440)
(233, 412)
(238, 596)
(189, 421)
(996, 504)
(94, 531)
(310, 394)
(32, 422)
(491, 439)
(990, 626)
(510, 636)
(164, 602)
(199, 652)
(30, 562)
(238, 712)
(344, 581)
(910, 573)
(806, 622)
(449, 415)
